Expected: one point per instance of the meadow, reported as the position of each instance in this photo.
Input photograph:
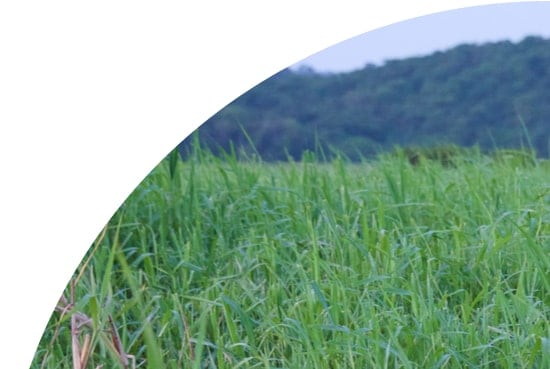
(224, 263)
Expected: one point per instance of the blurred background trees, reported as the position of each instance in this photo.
(468, 95)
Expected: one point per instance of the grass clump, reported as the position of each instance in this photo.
(216, 263)
(514, 157)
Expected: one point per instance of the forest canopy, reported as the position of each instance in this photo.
(493, 95)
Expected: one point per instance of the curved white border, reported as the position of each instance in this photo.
(92, 97)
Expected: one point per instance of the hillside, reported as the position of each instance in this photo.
(487, 95)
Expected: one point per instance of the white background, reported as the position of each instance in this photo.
(94, 94)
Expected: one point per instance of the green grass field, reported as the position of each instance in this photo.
(216, 263)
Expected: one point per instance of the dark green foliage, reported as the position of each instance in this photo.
(491, 95)
(452, 155)
(446, 155)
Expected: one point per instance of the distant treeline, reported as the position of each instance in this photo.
(495, 95)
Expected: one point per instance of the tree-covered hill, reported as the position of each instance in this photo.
(489, 95)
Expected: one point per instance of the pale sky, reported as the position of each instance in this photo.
(441, 31)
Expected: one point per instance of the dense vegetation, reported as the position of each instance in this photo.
(220, 263)
(489, 95)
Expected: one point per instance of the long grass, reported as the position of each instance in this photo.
(219, 263)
